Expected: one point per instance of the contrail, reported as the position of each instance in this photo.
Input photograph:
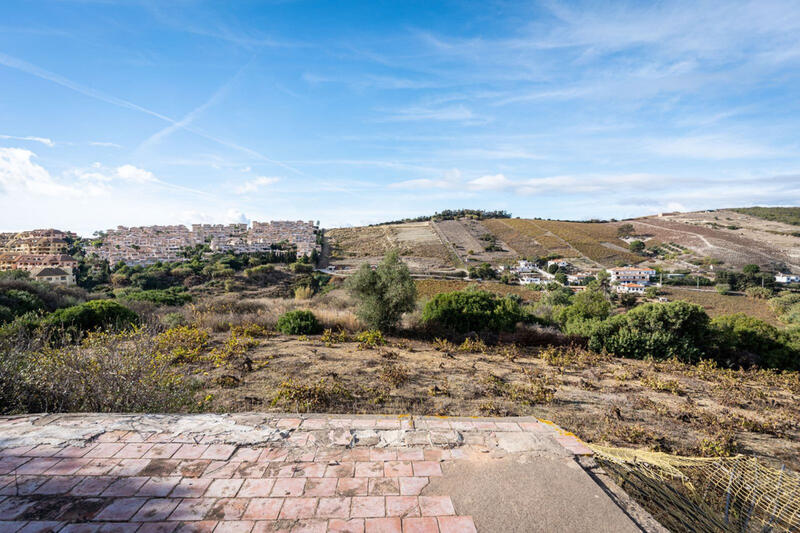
(33, 70)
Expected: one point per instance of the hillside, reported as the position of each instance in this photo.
(788, 215)
(675, 241)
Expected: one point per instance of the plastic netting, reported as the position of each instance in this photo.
(722, 494)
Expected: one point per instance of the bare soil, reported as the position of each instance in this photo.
(467, 239)
(768, 244)
(417, 242)
(664, 406)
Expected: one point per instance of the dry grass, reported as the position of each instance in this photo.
(427, 288)
(670, 406)
(717, 304)
(224, 312)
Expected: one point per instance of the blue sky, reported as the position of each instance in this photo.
(142, 112)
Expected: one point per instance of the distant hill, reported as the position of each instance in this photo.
(787, 215)
(702, 240)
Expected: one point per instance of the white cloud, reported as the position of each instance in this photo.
(234, 215)
(255, 184)
(450, 180)
(44, 140)
(494, 182)
(135, 175)
(104, 144)
(20, 174)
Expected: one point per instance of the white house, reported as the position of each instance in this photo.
(525, 266)
(558, 262)
(580, 277)
(631, 275)
(528, 279)
(787, 278)
(631, 288)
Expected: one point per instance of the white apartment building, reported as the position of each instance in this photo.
(631, 275)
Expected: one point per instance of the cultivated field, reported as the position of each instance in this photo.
(730, 237)
(687, 239)
(469, 238)
(417, 242)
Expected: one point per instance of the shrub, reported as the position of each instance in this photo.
(312, 396)
(174, 296)
(654, 330)
(107, 372)
(722, 288)
(182, 343)
(743, 339)
(470, 310)
(760, 293)
(97, 314)
(301, 268)
(636, 246)
(370, 339)
(482, 271)
(303, 293)
(385, 293)
(298, 322)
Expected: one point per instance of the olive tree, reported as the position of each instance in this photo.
(385, 293)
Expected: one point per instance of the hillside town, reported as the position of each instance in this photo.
(145, 245)
(45, 253)
(42, 253)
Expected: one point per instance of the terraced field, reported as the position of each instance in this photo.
(505, 230)
(596, 242)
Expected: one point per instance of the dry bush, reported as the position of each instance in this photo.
(662, 385)
(535, 390)
(370, 339)
(394, 374)
(182, 344)
(535, 335)
(303, 293)
(510, 352)
(720, 444)
(333, 318)
(571, 356)
(443, 345)
(321, 395)
(330, 338)
(107, 372)
(473, 345)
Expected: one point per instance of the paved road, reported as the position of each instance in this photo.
(266, 472)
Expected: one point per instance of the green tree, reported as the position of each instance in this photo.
(385, 293)
(636, 246)
(744, 339)
(472, 310)
(482, 271)
(658, 331)
(561, 278)
(751, 269)
(625, 230)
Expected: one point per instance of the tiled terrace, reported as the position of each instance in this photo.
(259, 473)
